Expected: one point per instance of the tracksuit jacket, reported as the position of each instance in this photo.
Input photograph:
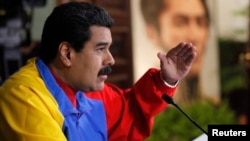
(33, 107)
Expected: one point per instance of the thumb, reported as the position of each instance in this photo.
(161, 56)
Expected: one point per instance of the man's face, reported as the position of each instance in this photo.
(95, 56)
(183, 20)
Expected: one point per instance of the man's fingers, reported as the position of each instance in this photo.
(185, 49)
(190, 55)
(189, 60)
(179, 48)
(189, 51)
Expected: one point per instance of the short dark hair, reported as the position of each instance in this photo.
(151, 10)
(70, 22)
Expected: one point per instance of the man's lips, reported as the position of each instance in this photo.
(103, 77)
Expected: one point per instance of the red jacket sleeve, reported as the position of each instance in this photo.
(130, 112)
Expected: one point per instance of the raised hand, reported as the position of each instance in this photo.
(177, 62)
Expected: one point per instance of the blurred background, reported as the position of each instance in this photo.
(215, 92)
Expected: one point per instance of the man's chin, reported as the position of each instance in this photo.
(95, 88)
(99, 87)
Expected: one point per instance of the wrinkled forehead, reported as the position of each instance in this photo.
(100, 34)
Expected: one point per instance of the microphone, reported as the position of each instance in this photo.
(170, 100)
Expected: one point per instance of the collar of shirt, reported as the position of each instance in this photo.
(71, 94)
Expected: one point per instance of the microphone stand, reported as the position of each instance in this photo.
(169, 100)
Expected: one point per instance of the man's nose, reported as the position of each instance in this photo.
(193, 32)
(109, 59)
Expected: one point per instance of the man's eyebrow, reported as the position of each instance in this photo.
(102, 43)
(186, 16)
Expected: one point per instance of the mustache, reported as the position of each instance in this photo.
(105, 71)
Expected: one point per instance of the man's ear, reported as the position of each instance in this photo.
(64, 51)
(153, 34)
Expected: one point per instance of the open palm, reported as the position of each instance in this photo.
(177, 62)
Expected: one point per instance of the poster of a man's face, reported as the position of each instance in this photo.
(169, 22)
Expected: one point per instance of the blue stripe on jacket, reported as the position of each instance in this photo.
(85, 122)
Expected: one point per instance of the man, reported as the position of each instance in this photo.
(169, 22)
(62, 95)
